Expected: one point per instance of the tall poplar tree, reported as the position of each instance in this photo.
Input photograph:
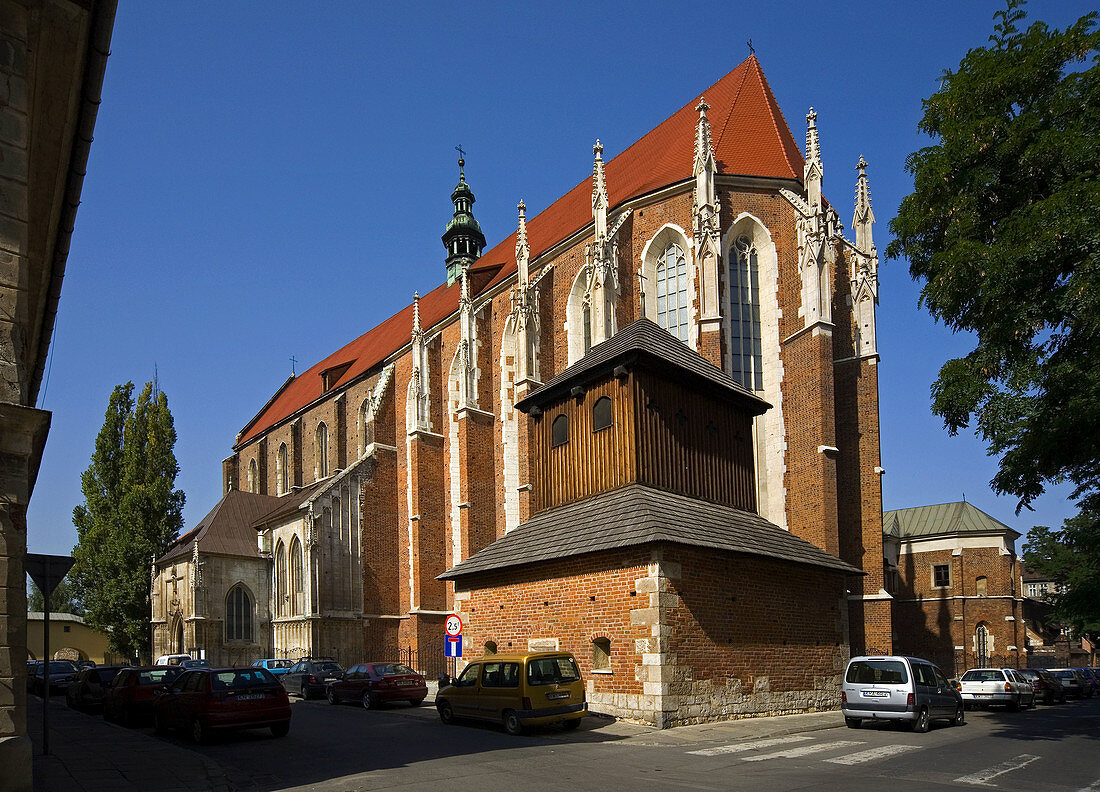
(131, 513)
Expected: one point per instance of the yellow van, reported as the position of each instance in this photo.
(516, 690)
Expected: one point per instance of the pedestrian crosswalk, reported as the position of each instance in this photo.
(848, 753)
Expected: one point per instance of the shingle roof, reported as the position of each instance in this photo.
(750, 138)
(636, 515)
(941, 519)
(288, 505)
(227, 529)
(644, 340)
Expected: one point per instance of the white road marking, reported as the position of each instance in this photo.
(983, 777)
(873, 754)
(802, 750)
(749, 746)
(1093, 787)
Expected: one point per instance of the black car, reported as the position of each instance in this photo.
(89, 686)
(1047, 686)
(61, 672)
(309, 676)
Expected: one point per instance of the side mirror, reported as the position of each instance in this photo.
(443, 680)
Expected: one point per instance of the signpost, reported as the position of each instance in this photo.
(452, 638)
(47, 571)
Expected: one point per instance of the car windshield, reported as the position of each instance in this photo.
(328, 668)
(157, 676)
(549, 670)
(1063, 674)
(61, 667)
(877, 672)
(240, 678)
(279, 664)
(983, 675)
(389, 669)
(106, 674)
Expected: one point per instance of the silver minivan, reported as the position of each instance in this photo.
(893, 687)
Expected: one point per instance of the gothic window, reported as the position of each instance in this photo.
(297, 592)
(252, 482)
(586, 319)
(601, 654)
(280, 580)
(366, 426)
(602, 416)
(673, 310)
(238, 615)
(981, 586)
(282, 471)
(559, 431)
(321, 447)
(982, 645)
(745, 337)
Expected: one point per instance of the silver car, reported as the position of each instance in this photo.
(898, 688)
(981, 687)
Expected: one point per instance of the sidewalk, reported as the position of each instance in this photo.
(88, 754)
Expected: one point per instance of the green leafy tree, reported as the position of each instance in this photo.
(1071, 558)
(63, 599)
(1003, 229)
(131, 513)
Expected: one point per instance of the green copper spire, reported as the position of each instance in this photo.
(462, 238)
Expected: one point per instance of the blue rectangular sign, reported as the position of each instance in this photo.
(452, 646)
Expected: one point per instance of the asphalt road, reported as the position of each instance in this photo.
(344, 748)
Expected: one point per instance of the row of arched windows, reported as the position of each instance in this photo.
(289, 580)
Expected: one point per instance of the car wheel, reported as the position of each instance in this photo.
(446, 714)
(570, 725)
(1013, 705)
(332, 696)
(960, 716)
(417, 702)
(199, 733)
(852, 723)
(923, 721)
(280, 729)
(512, 724)
(124, 718)
(368, 700)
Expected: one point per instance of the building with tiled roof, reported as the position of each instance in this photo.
(712, 226)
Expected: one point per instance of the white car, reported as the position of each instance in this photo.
(981, 687)
(172, 659)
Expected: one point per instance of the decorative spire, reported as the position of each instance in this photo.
(703, 148)
(599, 194)
(705, 226)
(523, 250)
(864, 218)
(813, 171)
(462, 238)
(464, 292)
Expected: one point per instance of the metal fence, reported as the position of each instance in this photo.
(430, 663)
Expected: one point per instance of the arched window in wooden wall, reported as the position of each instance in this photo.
(602, 415)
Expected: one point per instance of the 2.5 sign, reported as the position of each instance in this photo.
(453, 626)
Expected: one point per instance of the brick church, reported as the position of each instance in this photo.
(642, 428)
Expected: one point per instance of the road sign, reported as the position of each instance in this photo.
(48, 570)
(453, 626)
(452, 646)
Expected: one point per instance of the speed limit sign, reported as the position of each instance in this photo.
(453, 626)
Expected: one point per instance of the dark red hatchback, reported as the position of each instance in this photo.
(206, 700)
(129, 699)
(372, 684)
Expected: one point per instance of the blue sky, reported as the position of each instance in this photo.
(271, 180)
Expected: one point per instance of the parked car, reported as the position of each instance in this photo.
(1090, 681)
(898, 688)
(276, 665)
(1045, 685)
(207, 700)
(89, 686)
(129, 699)
(32, 668)
(309, 676)
(172, 659)
(1071, 680)
(981, 687)
(61, 673)
(194, 664)
(376, 683)
(516, 690)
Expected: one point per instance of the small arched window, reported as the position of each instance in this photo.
(297, 599)
(601, 654)
(252, 478)
(602, 416)
(282, 470)
(559, 431)
(672, 292)
(746, 351)
(586, 318)
(280, 580)
(321, 446)
(238, 615)
(981, 586)
(490, 647)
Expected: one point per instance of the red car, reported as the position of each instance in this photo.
(207, 700)
(375, 683)
(129, 699)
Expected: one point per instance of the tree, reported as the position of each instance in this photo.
(131, 513)
(1070, 558)
(62, 600)
(1003, 228)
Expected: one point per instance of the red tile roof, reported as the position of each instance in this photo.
(750, 138)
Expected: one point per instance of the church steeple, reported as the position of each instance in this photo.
(462, 238)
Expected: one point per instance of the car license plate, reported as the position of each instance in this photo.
(405, 682)
(561, 695)
(874, 693)
(250, 696)
(983, 695)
